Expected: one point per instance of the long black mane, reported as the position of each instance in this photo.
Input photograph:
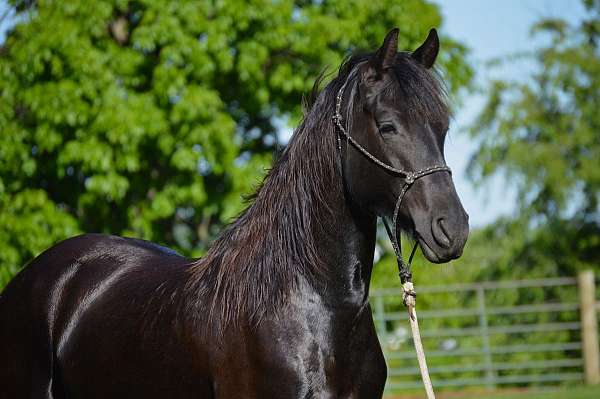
(264, 254)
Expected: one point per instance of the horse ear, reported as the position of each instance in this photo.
(427, 53)
(386, 55)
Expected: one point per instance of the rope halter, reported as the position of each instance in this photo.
(408, 292)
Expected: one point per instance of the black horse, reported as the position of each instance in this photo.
(279, 306)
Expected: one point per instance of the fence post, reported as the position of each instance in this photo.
(589, 327)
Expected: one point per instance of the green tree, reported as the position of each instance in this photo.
(543, 135)
(151, 118)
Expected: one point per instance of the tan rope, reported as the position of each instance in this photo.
(410, 302)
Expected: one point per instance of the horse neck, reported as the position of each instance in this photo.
(301, 236)
(349, 255)
(340, 245)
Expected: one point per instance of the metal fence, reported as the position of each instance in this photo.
(528, 332)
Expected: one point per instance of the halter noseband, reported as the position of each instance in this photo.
(409, 178)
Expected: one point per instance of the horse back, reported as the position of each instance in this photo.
(92, 299)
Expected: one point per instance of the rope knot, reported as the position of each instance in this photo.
(409, 295)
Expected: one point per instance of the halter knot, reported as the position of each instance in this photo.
(409, 296)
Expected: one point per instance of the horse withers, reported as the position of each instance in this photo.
(279, 306)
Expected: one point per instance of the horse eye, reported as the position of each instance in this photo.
(387, 129)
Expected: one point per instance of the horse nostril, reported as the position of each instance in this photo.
(440, 233)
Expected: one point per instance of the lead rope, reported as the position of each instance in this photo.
(409, 297)
(408, 292)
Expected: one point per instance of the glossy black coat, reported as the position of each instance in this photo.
(101, 317)
(279, 306)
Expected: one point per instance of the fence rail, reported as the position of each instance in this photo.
(468, 346)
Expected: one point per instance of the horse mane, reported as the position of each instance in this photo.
(273, 245)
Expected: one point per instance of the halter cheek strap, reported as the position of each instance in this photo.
(409, 178)
(408, 295)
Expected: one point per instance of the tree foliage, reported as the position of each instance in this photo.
(543, 134)
(153, 118)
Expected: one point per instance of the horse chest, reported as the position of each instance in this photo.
(307, 352)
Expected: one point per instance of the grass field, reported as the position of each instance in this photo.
(574, 392)
(564, 393)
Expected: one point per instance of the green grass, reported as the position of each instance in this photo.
(572, 392)
(563, 393)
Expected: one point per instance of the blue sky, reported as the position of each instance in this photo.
(5, 22)
(490, 28)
